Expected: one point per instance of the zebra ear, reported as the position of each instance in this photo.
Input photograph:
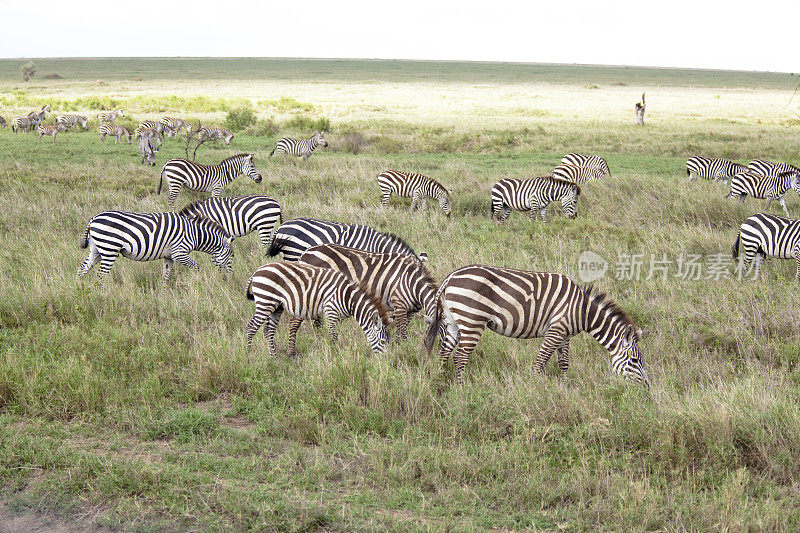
(629, 335)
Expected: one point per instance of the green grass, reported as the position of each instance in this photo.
(136, 405)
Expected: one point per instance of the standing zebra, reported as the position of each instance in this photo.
(764, 234)
(403, 284)
(115, 131)
(110, 116)
(416, 186)
(524, 305)
(31, 120)
(300, 148)
(3, 123)
(205, 178)
(148, 147)
(533, 195)
(712, 168)
(52, 131)
(768, 168)
(149, 236)
(72, 120)
(296, 236)
(176, 124)
(214, 132)
(162, 129)
(240, 215)
(308, 292)
(769, 187)
(143, 131)
(593, 162)
(577, 174)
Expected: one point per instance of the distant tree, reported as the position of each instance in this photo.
(28, 70)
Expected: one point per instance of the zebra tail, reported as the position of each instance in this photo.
(85, 240)
(160, 181)
(275, 246)
(735, 248)
(250, 289)
(273, 151)
(433, 327)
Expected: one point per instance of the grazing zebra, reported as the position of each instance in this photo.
(114, 131)
(769, 187)
(416, 186)
(45, 129)
(110, 116)
(150, 236)
(593, 162)
(148, 146)
(144, 131)
(205, 178)
(3, 123)
(712, 168)
(308, 292)
(176, 124)
(214, 132)
(533, 195)
(300, 148)
(162, 129)
(764, 234)
(403, 284)
(72, 120)
(30, 121)
(524, 305)
(768, 168)
(240, 215)
(296, 236)
(577, 174)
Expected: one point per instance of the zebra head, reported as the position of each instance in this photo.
(626, 358)
(168, 131)
(249, 168)
(444, 201)
(120, 113)
(794, 182)
(83, 122)
(377, 334)
(569, 204)
(320, 138)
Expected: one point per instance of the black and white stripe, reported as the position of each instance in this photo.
(300, 148)
(46, 129)
(593, 162)
(176, 124)
(415, 186)
(205, 178)
(214, 132)
(533, 195)
(240, 215)
(150, 236)
(148, 147)
(308, 292)
(73, 120)
(577, 174)
(769, 168)
(296, 236)
(162, 129)
(712, 168)
(110, 116)
(524, 305)
(29, 122)
(3, 123)
(115, 131)
(764, 234)
(141, 132)
(764, 187)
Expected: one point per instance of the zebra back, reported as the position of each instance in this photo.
(240, 215)
(591, 161)
(769, 168)
(577, 174)
(773, 235)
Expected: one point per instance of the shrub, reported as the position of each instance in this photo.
(52, 76)
(285, 104)
(353, 142)
(262, 128)
(239, 119)
(303, 122)
(28, 70)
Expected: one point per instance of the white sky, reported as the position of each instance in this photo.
(677, 33)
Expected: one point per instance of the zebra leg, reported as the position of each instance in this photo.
(174, 189)
(385, 195)
(259, 317)
(106, 262)
(264, 235)
(270, 328)
(168, 264)
(563, 358)
(466, 346)
(183, 258)
(553, 338)
(39, 139)
(400, 320)
(796, 254)
(758, 262)
(543, 213)
(414, 202)
(506, 210)
(294, 325)
(91, 261)
(783, 205)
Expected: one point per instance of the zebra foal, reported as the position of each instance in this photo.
(763, 234)
(300, 148)
(240, 215)
(181, 173)
(712, 168)
(45, 129)
(206, 133)
(110, 116)
(533, 195)
(415, 186)
(764, 187)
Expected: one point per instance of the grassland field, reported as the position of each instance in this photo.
(135, 405)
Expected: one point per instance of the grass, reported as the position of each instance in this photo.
(135, 405)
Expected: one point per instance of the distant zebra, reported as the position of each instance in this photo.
(52, 131)
(72, 120)
(148, 147)
(144, 131)
(300, 148)
(296, 236)
(110, 116)
(577, 174)
(533, 195)
(768, 168)
(205, 178)
(176, 124)
(114, 131)
(149, 236)
(593, 162)
(309, 292)
(3, 123)
(415, 186)
(240, 215)
(214, 132)
(769, 187)
(524, 304)
(26, 123)
(403, 283)
(764, 234)
(162, 129)
(712, 168)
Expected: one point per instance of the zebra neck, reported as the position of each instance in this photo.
(312, 143)
(604, 325)
(232, 170)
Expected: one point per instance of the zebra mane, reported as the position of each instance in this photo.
(392, 238)
(191, 209)
(234, 157)
(604, 301)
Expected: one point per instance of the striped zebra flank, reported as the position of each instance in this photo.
(308, 292)
(769, 168)
(764, 235)
(207, 133)
(593, 162)
(52, 131)
(161, 129)
(151, 236)
(577, 174)
(764, 187)
(533, 195)
(415, 186)
(110, 116)
(524, 305)
(115, 131)
(712, 168)
(300, 148)
(296, 236)
(181, 173)
(176, 124)
(403, 284)
(240, 215)
(73, 121)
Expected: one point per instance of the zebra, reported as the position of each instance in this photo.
(296, 236)
(577, 174)
(769, 187)
(300, 148)
(144, 131)
(3, 123)
(26, 123)
(45, 129)
(594, 162)
(416, 186)
(240, 215)
(176, 124)
(148, 146)
(524, 304)
(150, 236)
(72, 120)
(115, 131)
(764, 234)
(533, 195)
(110, 116)
(162, 129)
(712, 168)
(768, 168)
(214, 132)
(206, 178)
(308, 292)
(403, 284)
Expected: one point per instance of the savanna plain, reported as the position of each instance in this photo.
(134, 404)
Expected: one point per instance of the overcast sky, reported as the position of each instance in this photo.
(746, 35)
